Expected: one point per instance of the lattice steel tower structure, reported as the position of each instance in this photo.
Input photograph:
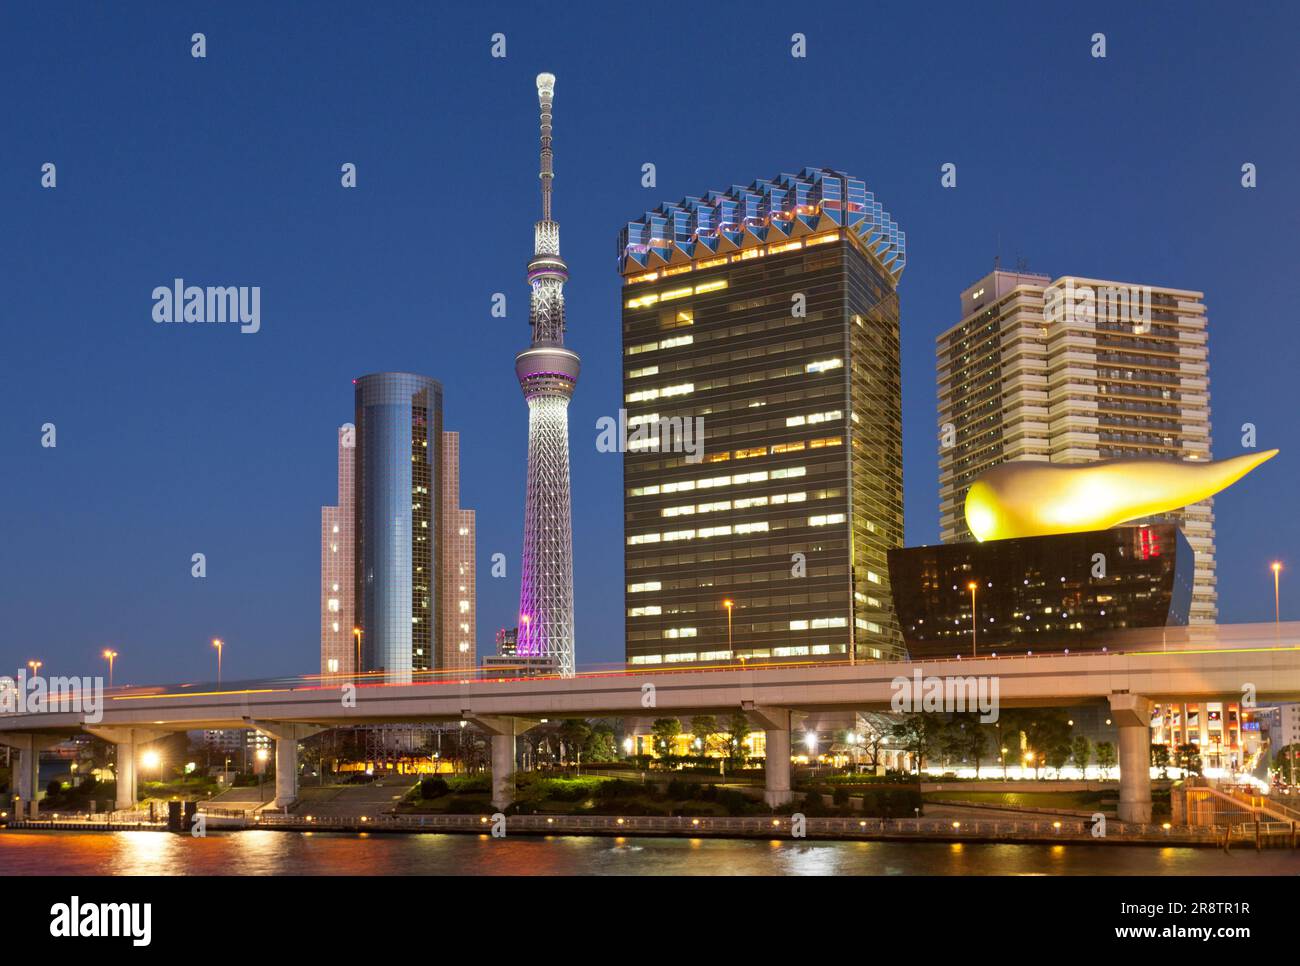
(548, 373)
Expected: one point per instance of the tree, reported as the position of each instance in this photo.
(1056, 757)
(1287, 760)
(1007, 732)
(1081, 751)
(961, 736)
(1189, 759)
(1046, 730)
(1160, 758)
(601, 745)
(573, 734)
(737, 731)
(703, 727)
(918, 733)
(664, 732)
(1105, 757)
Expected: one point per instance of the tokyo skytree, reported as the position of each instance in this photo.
(548, 373)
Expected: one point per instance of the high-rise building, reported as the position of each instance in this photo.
(548, 374)
(458, 650)
(399, 532)
(338, 652)
(1075, 370)
(397, 552)
(767, 317)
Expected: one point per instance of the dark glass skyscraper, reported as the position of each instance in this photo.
(770, 313)
(399, 540)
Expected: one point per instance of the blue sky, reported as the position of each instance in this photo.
(184, 439)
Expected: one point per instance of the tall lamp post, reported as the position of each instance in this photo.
(356, 668)
(110, 655)
(218, 643)
(1277, 598)
(728, 603)
(971, 586)
(36, 667)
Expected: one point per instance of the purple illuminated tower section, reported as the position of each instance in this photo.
(548, 373)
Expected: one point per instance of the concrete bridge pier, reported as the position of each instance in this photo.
(128, 742)
(27, 783)
(1132, 715)
(286, 735)
(502, 732)
(775, 723)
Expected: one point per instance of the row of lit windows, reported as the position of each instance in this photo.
(642, 301)
(775, 449)
(701, 360)
(759, 476)
(766, 551)
(744, 503)
(738, 529)
(685, 388)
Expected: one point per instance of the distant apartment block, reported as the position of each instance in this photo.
(338, 648)
(1074, 370)
(458, 650)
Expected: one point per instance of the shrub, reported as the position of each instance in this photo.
(683, 790)
(433, 788)
(897, 802)
(735, 802)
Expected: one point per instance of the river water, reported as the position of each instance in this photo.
(296, 853)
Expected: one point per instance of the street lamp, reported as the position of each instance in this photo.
(36, 667)
(729, 604)
(110, 655)
(1277, 600)
(218, 643)
(356, 668)
(971, 587)
(261, 772)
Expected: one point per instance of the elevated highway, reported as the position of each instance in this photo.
(1245, 663)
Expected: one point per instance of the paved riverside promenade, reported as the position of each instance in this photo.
(781, 827)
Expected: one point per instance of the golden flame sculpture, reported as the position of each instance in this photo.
(1025, 498)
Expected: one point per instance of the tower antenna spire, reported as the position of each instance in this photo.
(545, 92)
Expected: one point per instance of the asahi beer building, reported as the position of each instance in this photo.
(770, 312)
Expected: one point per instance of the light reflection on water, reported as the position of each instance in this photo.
(263, 853)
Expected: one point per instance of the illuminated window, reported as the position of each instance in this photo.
(651, 611)
(648, 585)
(710, 286)
(788, 447)
(823, 365)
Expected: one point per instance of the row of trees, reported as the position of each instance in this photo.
(712, 735)
(1030, 738)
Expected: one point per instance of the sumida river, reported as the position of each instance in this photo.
(314, 853)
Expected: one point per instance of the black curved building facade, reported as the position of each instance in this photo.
(1075, 590)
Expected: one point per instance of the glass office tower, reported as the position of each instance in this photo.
(770, 313)
(398, 531)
